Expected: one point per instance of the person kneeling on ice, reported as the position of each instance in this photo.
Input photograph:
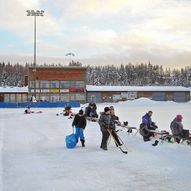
(91, 110)
(147, 127)
(176, 127)
(80, 123)
(107, 126)
(67, 111)
(28, 111)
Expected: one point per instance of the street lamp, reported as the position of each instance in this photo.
(35, 14)
(70, 54)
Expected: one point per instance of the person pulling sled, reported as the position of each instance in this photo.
(79, 123)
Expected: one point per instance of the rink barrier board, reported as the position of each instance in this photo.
(38, 104)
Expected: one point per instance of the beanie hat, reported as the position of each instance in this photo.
(106, 109)
(81, 112)
(179, 117)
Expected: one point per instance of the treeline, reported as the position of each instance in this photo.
(12, 74)
(139, 75)
(123, 75)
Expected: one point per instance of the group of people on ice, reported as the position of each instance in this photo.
(108, 121)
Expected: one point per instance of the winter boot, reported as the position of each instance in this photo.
(146, 139)
(83, 143)
(103, 147)
(155, 143)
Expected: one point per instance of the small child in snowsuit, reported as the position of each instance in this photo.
(80, 123)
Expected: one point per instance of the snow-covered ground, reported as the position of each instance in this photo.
(33, 155)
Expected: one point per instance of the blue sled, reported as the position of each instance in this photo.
(70, 141)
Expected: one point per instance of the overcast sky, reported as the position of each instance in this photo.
(98, 31)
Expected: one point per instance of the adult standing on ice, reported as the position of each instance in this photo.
(105, 122)
(80, 123)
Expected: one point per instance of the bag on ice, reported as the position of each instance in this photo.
(70, 141)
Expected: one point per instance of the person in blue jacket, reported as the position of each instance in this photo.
(147, 127)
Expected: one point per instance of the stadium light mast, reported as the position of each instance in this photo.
(35, 14)
(70, 54)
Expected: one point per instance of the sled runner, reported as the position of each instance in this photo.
(126, 127)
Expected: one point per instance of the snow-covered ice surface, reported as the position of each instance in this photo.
(33, 156)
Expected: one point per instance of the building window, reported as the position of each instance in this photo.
(37, 84)
(44, 97)
(54, 84)
(12, 97)
(54, 98)
(6, 97)
(80, 97)
(73, 97)
(77, 97)
(31, 84)
(64, 97)
(80, 84)
(24, 97)
(19, 97)
(45, 90)
(73, 84)
(44, 84)
(64, 84)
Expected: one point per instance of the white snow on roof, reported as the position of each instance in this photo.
(136, 88)
(14, 89)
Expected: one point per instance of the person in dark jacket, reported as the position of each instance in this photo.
(107, 124)
(80, 123)
(147, 127)
(91, 110)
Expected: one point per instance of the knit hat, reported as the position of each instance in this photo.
(179, 117)
(106, 109)
(81, 112)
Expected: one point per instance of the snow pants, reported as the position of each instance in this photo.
(79, 134)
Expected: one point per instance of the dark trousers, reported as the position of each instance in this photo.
(105, 137)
